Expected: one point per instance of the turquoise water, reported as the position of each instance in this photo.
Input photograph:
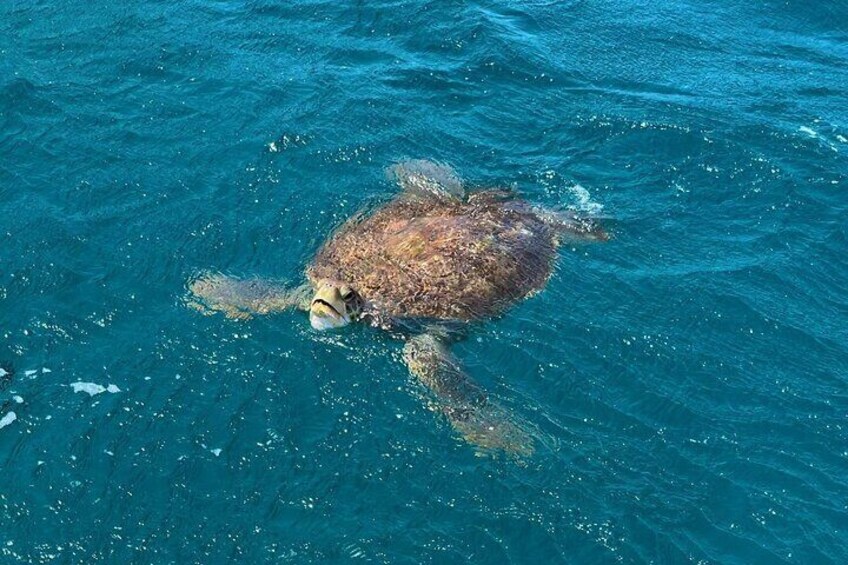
(686, 381)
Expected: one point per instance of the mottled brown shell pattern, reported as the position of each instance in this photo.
(441, 258)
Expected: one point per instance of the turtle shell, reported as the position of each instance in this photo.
(444, 259)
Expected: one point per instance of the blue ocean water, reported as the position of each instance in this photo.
(686, 381)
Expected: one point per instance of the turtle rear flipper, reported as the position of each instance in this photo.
(240, 299)
(479, 420)
(572, 225)
(428, 179)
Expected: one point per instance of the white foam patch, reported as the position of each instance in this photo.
(3, 372)
(8, 419)
(90, 388)
(809, 131)
(18, 399)
(29, 373)
(93, 388)
(815, 135)
(584, 200)
(216, 452)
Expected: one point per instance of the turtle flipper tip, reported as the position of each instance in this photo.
(496, 435)
(427, 178)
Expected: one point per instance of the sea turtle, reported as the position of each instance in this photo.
(423, 266)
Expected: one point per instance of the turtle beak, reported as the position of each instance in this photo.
(328, 310)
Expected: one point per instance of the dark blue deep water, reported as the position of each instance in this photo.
(687, 382)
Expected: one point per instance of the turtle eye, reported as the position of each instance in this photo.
(347, 294)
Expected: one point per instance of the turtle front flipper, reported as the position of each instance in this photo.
(427, 179)
(479, 420)
(240, 299)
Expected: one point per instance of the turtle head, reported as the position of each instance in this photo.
(334, 306)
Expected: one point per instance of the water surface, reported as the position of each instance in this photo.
(687, 380)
